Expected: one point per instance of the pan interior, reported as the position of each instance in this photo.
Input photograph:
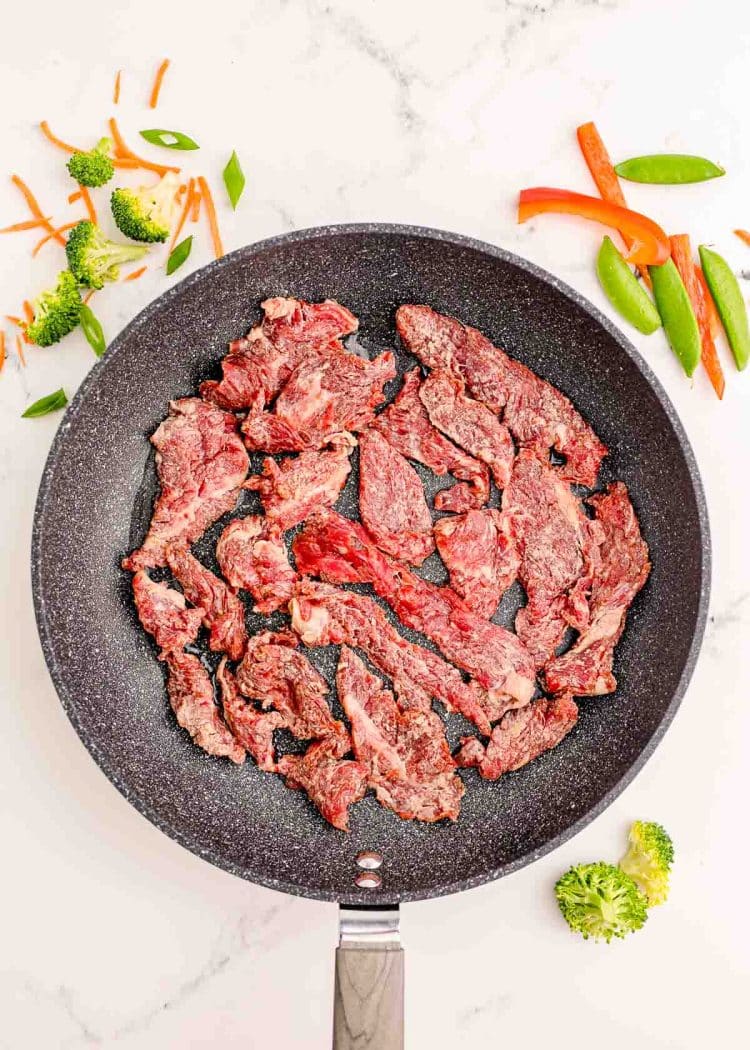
(95, 498)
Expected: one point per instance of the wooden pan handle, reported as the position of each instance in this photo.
(368, 1005)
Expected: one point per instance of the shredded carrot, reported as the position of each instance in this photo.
(136, 274)
(33, 206)
(130, 161)
(14, 320)
(88, 296)
(45, 128)
(89, 204)
(154, 97)
(196, 205)
(2, 349)
(213, 223)
(116, 92)
(124, 153)
(19, 350)
(185, 212)
(75, 196)
(713, 314)
(682, 255)
(28, 311)
(48, 237)
(743, 235)
(29, 224)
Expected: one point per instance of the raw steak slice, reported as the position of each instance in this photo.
(277, 674)
(391, 501)
(332, 784)
(325, 615)
(520, 737)
(291, 490)
(586, 669)
(538, 415)
(265, 432)
(408, 761)
(557, 546)
(252, 557)
(257, 366)
(480, 556)
(406, 425)
(471, 424)
(223, 612)
(192, 698)
(164, 614)
(253, 729)
(201, 463)
(340, 551)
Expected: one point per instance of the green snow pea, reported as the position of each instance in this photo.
(668, 169)
(680, 325)
(726, 293)
(624, 291)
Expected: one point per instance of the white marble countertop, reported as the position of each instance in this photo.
(113, 935)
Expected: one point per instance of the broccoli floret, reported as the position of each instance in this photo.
(146, 214)
(649, 859)
(56, 312)
(600, 901)
(93, 259)
(93, 168)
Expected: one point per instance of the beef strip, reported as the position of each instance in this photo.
(252, 557)
(252, 729)
(324, 397)
(471, 424)
(480, 556)
(406, 426)
(538, 415)
(340, 551)
(325, 615)
(332, 783)
(201, 463)
(586, 669)
(192, 698)
(392, 505)
(223, 612)
(408, 761)
(164, 614)
(557, 546)
(520, 737)
(257, 366)
(291, 490)
(281, 677)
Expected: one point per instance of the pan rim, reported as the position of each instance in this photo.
(114, 774)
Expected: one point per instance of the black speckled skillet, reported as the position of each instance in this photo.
(93, 501)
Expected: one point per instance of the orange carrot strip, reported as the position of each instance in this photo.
(2, 349)
(136, 274)
(48, 237)
(682, 255)
(154, 97)
(88, 296)
(75, 196)
(185, 212)
(28, 311)
(89, 204)
(604, 175)
(213, 223)
(33, 205)
(116, 92)
(14, 320)
(123, 152)
(196, 205)
(19, 350)
(29, 224)
(713, 314)
(743, 235)
(45, 128)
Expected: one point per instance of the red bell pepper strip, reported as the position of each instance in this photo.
(650, 243)
(682, 254)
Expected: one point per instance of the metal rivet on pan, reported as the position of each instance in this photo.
(368, 880)
(369, 860)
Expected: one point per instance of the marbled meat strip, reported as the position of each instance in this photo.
(480, 556)
(201, 463)
(253, 558)
(252, 729)
(164, 614)
(192, 698)
(333, 784)
(294, 488)
(223, 612)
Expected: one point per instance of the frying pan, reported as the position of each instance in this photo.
(94, 503)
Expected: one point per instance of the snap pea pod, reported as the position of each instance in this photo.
(680, 325)
(668, 169)
(92, 329)
(726, 293)
(624, 291)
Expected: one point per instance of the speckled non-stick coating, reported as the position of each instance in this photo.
(92, 496)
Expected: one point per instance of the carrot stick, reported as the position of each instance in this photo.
(136, 274)
(75, 196)
(196, 205)
(682, 255)
(743, 235)
(713, 314)
(87, 297)
(186, 208)
(49, 236)
(604, 175)
(2, 349)
(123, 152)
(89, 204)
(33, 206)
(29, 224)
(19, 350)
(45, 129)
(116, 92)
(213, 223)
(15, 320)
(154, 98)
(28, 311)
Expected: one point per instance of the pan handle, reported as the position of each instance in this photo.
(368, 1004)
